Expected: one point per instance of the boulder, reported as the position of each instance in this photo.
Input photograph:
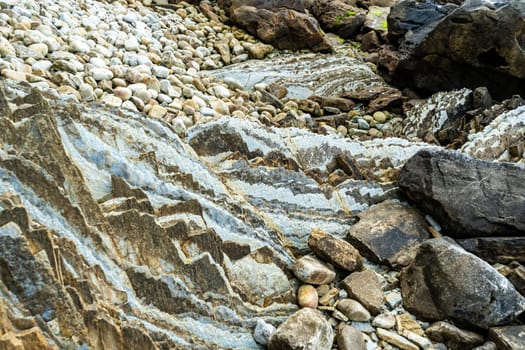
(338, 16)
(445, 281)
(335, 250)
(508, 338)
(283, 24)
(305, 329)
(365, 287)
(389, 232)
(468, 197)
(448, 46)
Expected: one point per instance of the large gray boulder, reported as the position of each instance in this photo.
(468, 197)
(445, 281)
(305, 329)
(449, 46)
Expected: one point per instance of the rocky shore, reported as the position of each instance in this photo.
(174, 176)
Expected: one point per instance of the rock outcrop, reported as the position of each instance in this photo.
(468, 197)
(445, 47)
(445, 281)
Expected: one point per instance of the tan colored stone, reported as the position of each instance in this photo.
(307, 296)
(335, 250)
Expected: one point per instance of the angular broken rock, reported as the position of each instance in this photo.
(310, 270)
(353, 310)
(468, 197)
(263, 331)
(305, 329)
(349, 338)
(335, 250)
(389, 232)
(365, 287)
(396, 339)
(455, 338)
(446, 281)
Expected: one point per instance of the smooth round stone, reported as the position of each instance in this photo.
(98, 62)
(98, 92)
(101, 74)
(129, 105)
(119, 82)
(207, 112)
(132, 44)
(307, 296)
(13, 75)
(41, 48)
(189, 110)
(52, 44)
(152, 83)
(130, 17)
(380, 117)
(199, 101)
(385, 320)
(220, 107)
(42, 65)
(111, 100)
(164, 99)
(160, 72)
(220, 91)
(157, 112)
(144, 95)
(79, 45)
(137, 102)
(123, 93)
(353, 310)
(87, 92)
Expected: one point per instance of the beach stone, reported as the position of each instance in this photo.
(310, 270)
(455, 338)
(111, 101)
(87, 92)
(101, 74)
(307, 296)
(305, 329)
(385, 320)
(396, 339)
(157, 112)
(350, 338)
(353, 310)
(335, 250)
(13, 75)
(123, 93)
(365, 287)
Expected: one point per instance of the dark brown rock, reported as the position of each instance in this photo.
(282, 24)
(365, 287)
(305, 329)
(389, 232)
(335, 250)
(468, 197)
(517, 277)
(338, 16)
(446, 281)
(501, 250)
(508, 338)
(455, 338)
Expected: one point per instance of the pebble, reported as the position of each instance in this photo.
(353, 310)
(385, 320)
(396, 340)
(380, 117)
(101, 74)
(310, 270)
(111, 100)
(307, 296)
(157, 112)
